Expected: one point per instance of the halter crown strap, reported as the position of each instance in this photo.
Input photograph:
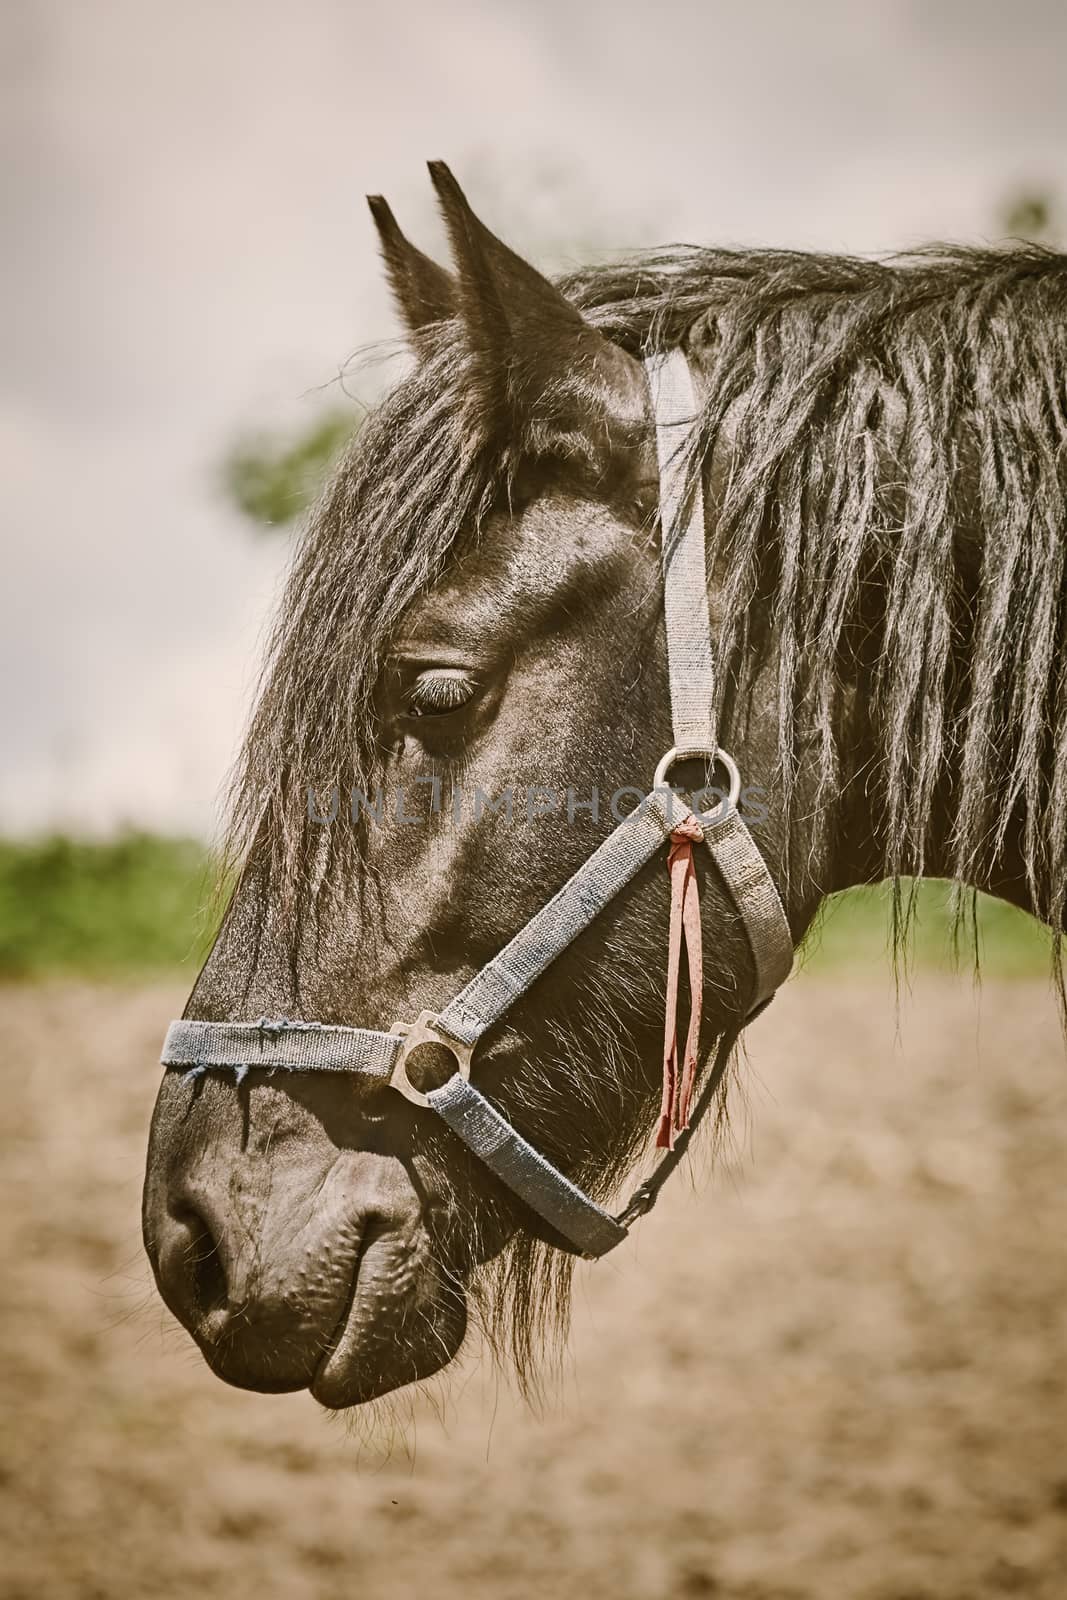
(378, 1057)
(685, 581)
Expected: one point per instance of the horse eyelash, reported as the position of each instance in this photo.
(436, 693)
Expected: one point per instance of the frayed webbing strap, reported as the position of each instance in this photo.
(525, 1170)
(682, 536)
(582, 898)
(279, 1044)
(751, 888)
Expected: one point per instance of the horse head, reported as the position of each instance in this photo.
(468, 686)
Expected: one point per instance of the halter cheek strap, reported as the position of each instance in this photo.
(376, 1058)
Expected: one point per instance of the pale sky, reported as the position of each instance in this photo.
(187, 255)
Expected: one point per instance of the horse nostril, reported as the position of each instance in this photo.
(206, 1274)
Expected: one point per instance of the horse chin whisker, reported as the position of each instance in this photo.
(521, 1298)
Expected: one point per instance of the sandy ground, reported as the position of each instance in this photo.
(836, 1368)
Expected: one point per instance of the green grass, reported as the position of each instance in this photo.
(143, 903)
(854, 931)
(138, 903)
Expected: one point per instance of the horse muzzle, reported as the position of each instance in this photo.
(294, 1264)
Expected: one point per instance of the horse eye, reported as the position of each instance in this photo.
(439, 691)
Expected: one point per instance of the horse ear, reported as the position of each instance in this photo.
(546, 373)
(424, 292)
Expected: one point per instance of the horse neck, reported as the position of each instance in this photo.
(1023, 807)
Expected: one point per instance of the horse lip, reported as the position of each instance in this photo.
(396, 1327)
(325, 1384)
(385, 1273)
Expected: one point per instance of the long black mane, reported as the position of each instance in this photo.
(899, 428)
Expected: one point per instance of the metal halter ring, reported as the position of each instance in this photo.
(424, 1030)
(720, 757)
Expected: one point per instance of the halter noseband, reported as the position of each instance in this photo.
(381, 1058)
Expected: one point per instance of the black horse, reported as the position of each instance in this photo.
(477, 609)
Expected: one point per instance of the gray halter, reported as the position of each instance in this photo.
(378, 1057)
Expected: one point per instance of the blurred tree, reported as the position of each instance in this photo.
(273, 478)
(1030, 214)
